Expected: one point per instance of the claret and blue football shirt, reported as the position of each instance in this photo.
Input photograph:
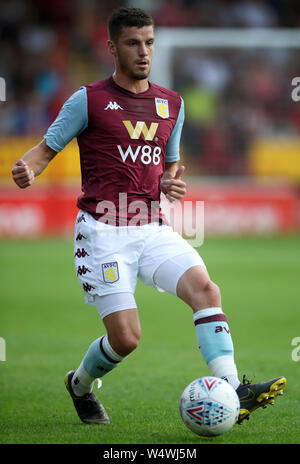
(124, 141)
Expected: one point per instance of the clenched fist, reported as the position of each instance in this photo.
(22, 174)
(173, 187)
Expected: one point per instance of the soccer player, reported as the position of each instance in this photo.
(128, 131)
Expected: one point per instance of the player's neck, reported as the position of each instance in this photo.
(133, 85)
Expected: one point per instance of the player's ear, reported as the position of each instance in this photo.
(111, 47)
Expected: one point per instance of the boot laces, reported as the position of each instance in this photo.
(245, 381)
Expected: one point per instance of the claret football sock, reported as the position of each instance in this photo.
(98, 361)
(215, 343)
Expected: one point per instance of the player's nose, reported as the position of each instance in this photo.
(143, 51)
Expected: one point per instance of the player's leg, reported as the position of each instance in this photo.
(192, 284)
(106, 352)
(170, 263)
(106, 264)
(196, 289)
(103, 355)
(186, 276)
(123, 331)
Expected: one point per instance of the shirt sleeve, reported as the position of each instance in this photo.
(70, 122)
(173, 144)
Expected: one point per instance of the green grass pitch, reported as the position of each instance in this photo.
(47, 329)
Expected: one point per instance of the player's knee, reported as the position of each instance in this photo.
(207, 296)
(126, 342)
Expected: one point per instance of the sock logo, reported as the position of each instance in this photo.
(220, 328)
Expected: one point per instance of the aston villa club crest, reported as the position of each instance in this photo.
(110, 272)
(162, 107)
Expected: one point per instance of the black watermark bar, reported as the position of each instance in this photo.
(124, 453)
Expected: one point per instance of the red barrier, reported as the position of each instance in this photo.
(35, 213)
(228, 210)
(249, 209)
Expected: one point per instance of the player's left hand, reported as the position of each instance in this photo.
(174, 188)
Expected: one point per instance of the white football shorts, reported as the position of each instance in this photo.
(109, 260)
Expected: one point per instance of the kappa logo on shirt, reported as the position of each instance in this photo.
(113, 106)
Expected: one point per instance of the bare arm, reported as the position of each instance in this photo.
(32, 164)
(171, 184)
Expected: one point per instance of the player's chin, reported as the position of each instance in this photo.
(140, 75)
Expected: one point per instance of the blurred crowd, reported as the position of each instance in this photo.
(48, 49)
(232, 97)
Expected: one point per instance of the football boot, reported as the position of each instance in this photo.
(259, 395)
(88, 407)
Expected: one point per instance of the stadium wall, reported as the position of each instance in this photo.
(229, 209)
(259, 204)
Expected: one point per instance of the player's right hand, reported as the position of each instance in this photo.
(22, 174)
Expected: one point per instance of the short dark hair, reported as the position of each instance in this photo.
(127, 17)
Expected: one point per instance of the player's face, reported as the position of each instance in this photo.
(133, 51)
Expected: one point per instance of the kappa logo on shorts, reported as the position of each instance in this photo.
(110, 272)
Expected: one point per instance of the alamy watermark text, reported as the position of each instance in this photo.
(2, 349)
(2, 89)
(296, 91)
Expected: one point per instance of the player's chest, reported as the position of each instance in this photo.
(149, 120)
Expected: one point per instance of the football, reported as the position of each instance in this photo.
(209, 406)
